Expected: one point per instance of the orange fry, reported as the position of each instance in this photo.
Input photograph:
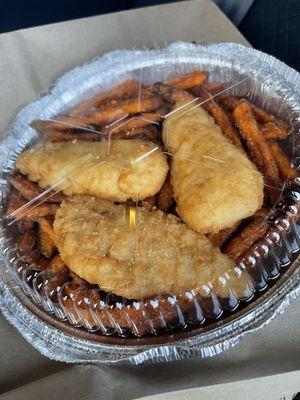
(69, 135)
(131, 123)
(273, 130)
(33, 212)
(57, 265)
(30, 190)
(46, 237)
(172, 94)
(219, 238)
(216, 87)
(125, 90)
(188, 80)
(238, 246)
(127, 107)
(218, 114)
(258, 147)
(27, 242)
(165, 196)
(285, 167)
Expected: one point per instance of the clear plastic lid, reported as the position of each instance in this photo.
(156, 196)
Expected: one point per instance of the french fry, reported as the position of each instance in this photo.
(69, 135)
(46, 237)
(239, 245)
(172, 94)
(165, 196)
(285, 168)
(125, 90)
(60, 123)
(229, 101)
(187, 81)
(57, 265)
(219, 238)
(220, 117)
(150, 202)
(30, 190)
(216, 87)
(25, 226)
(32, 212)
(14, 206)
(271, 131)
(131, 123)
(27, 241)
(112, 113)
(258, 147)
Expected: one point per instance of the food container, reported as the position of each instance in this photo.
(69, 328)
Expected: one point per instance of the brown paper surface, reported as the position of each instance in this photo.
(31, 60)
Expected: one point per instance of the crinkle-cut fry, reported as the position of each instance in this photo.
(239, 245)
(172, 94)
(46, 237)
(286, 170)
(165, 196)
(131, 123)
(32, 211)
(27, 241)
(219, 238)
(273, 131)
(188, 80)
(258, 147)
(126, 89)
(30, 190)
(218, 115)
(112, 113)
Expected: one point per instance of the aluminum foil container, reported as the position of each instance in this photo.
(53, 330)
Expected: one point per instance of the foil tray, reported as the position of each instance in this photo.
(59, 340)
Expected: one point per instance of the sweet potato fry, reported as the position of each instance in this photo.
(273, 130)
(285, 167)
(131, 123)
(25, 226)
(27, 242)
(219, 238)
(30, 190)
(60, 123)
(229, 101)
(258, 148)
(123, 109)
(126, 89)
(150, 202)
(46, 237)
(172, 94)
(14, 206)
(220, 117)
(147, 132)
(32, 212)
(165, 196)
(69, 135)
(188, 80)
(239, 245)
(216, 87)
(57, 265)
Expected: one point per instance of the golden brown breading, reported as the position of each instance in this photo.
(215, 184)
(158, 254)
(117, 171)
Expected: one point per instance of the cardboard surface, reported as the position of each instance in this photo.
(30, 60)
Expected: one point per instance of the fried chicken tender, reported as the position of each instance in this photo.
(118, 170)
(215, 184)
(136, 253)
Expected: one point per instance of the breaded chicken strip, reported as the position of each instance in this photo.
(117, 171)
(138, 253)
(215, 184)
